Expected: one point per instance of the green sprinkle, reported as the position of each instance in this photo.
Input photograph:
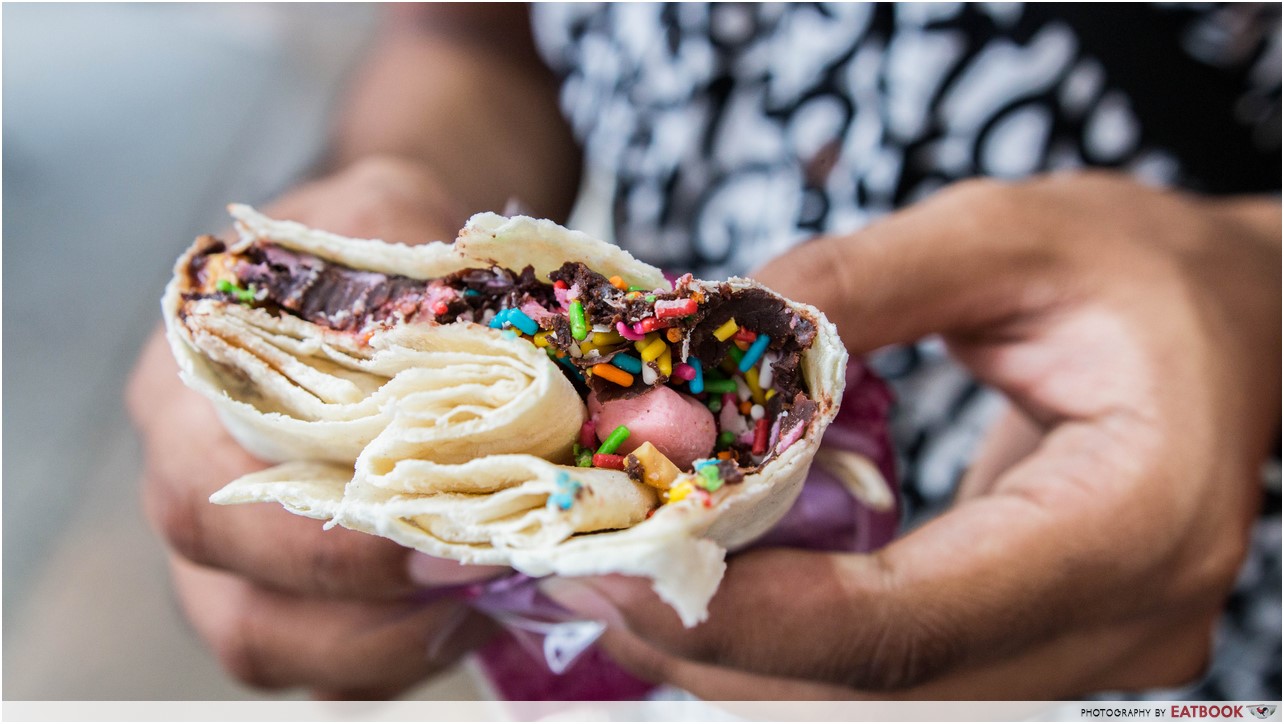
(736, 353)
(613, 441)
(725, 438)
(579, 325)
(650, 298)
(715, 405)
(720, 386)
(638, 289)
(709, 478)
(242, 295)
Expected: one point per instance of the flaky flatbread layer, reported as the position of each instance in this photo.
(454, 439)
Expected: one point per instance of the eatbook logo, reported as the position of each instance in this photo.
(1262, 711)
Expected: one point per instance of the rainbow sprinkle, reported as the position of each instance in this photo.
(614, 374)
(628, 333)
(653, 350)
(579, 325)
(697, 379)
(613, 441)
(628, 363)
(720, 386)
(754, 353)
(724, 332)
(567, 489)
(680, 491)
(519, 319)
(710, 479)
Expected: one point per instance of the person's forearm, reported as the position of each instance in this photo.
(461, 89)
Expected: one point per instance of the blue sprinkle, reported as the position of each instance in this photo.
(628, 363)
(754, 352)
(500, 318)
(509, 334)
(697, 382)
(519, 319)
(567, 488)
(704, 463)
(574, 370)
(471, 293)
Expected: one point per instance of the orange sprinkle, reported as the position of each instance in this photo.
(745, 407)
(618, 283)
(613, 373)
(724, 455)
(674, 334)
(698, 296)
(743, 345)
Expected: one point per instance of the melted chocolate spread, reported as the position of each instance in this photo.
(349, 300)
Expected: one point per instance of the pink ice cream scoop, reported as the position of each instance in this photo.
(677, 425)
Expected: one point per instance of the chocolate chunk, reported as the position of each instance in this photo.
(633, 468)
(730, 472)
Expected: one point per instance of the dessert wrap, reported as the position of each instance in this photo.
(526, 396)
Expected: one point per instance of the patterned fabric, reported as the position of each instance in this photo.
(731, 132)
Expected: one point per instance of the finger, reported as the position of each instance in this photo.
(262, 543)
(705, 680)
(1011, 438)
(959, 260)
(1133, 655)
(993, 576)
(271, 640)
(377, 197)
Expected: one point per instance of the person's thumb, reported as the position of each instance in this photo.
(960, 260)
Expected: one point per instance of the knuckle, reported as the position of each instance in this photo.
(335, 568)
(239, 649)
(902, 655)
(175, 514)
(901, 647)
(379, 168)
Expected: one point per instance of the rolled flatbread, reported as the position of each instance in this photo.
(436, 394)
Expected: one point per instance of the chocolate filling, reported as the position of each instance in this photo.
(283, 281)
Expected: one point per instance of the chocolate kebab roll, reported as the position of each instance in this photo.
(526, 396)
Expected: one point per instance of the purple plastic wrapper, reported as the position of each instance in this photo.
(546, 653)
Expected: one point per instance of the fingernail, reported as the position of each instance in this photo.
(583, 599)
(425, 570)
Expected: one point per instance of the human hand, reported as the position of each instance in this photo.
(281, 602)
(1135, 333)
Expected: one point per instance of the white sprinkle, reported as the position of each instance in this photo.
(742, 388)
(766, 374)
(649, 374)
(603, 328)
(757, 412)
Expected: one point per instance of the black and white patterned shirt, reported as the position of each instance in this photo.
(730, 132)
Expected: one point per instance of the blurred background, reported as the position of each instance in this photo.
(126, 130)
